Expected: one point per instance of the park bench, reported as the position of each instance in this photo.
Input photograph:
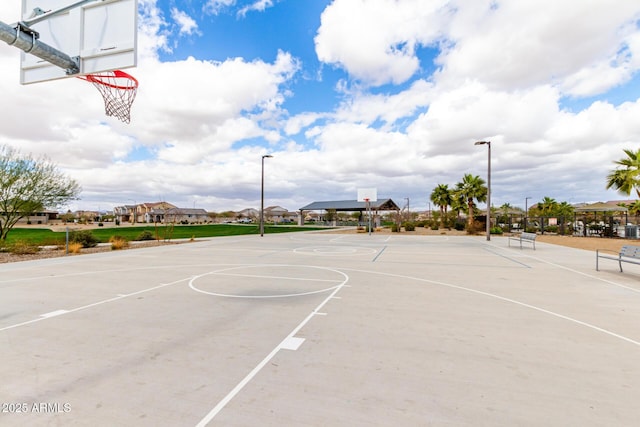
(628, 253)
(525, 237)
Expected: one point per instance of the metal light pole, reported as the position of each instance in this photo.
(262, 197)
(526, 211)
(408, 209)
(488, 144)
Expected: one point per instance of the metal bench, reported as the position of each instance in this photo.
(628, 253)
(525, 238)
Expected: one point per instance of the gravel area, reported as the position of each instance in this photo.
(51, 252)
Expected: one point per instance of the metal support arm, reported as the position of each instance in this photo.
(28, 42)
(41, 15)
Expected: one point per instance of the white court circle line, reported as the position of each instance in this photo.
(297, 294)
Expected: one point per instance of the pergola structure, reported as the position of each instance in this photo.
(381, 205)
(603, 221)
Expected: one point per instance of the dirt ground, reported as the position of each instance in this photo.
(586, 243)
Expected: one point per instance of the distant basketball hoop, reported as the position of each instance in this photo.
(368, 195)
(118, 89)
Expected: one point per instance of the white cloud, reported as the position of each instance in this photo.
(216, 6)
(367, 108)
(521, 43)
(258, 6)
(376, 40)
(187, 24)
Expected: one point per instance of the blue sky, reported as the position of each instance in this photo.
(348, 94)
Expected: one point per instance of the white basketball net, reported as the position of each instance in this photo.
(118, 89)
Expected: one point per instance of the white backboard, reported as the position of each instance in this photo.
(367, 194)
(102, 33)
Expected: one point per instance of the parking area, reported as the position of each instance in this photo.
(321, 329)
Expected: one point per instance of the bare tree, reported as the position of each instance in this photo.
(28, 185)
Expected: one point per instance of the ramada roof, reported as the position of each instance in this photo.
(351, 205)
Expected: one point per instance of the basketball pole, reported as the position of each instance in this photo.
(368, 207)
(19, 37)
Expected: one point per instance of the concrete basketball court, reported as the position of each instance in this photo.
(321, 329)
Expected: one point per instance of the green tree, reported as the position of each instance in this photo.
(634, 208)
(505, 211)
(442, 197)
(471, 188)
(564, 210)
(28, 185)
(547, 207)
(626, 178)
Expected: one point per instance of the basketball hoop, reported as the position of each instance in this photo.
(118, 89)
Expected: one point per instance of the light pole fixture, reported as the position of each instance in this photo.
(526, 211)
(262, 196)
(488, 144)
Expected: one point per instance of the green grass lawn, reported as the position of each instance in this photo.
(43, 236)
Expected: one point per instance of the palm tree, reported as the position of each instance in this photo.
(634, 208)
(506, 210)
(548, 206)
(472, 188)
(564, 210)
(441, 196)
(626, 179)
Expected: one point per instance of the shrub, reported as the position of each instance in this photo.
(495, 230)
(75, 247)
(409, 226)
(118, 242)
(145, 235)
(459, 226)
(21, 247)
(85, 238)
(475, 227)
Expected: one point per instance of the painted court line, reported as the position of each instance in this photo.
(221, 404)
(84, 307)
(54, 313)
(379, 253)
(292, 343)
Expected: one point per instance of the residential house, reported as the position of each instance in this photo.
(278, 214)
(42, 217)
(153, 212)
(248, 214)
(180, 216)
(160, 212)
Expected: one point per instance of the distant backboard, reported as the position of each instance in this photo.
(367, 194)
(102, 34)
